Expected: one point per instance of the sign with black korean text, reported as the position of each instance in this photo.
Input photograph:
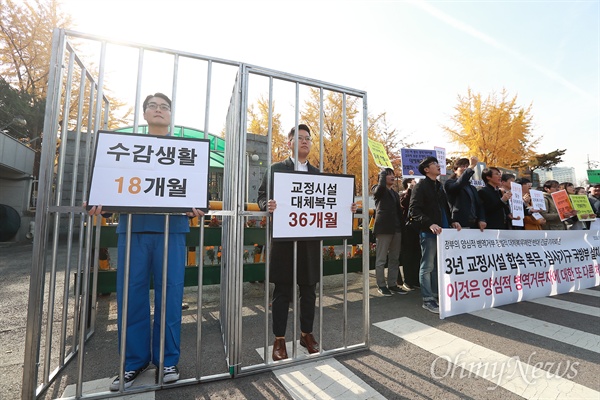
(312, 206)
(411, 158)
(479, 270)
(145, 173)
(516, 204)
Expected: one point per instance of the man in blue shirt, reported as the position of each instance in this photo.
(146, 261)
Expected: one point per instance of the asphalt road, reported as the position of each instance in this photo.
(413, 354)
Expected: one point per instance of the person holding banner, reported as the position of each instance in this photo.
(388, 233)
(281, 269)
(429, 208)
(573, 223)
(533, 220)
(551, 215)
(463, 200)
(146, 262)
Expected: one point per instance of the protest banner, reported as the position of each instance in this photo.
(516, 204)
(379, 154)
(562, 203)
(479, 270)
(582, 205)
(537, 199)
(144, 173)
(441, 156)
(411, 158)
(312, 206)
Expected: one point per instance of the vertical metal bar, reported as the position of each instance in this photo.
(200, 263)
(295, 266)
(365, 216)
(36, 283)
(321, 167)
(174, 95)
(84, 279)
(125, 302)
(138, 89)
(345, 243)
(344, 135)
(163, 300)
(83, 217)
(268, 225)
(207, 105)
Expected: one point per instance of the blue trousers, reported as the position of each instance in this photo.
(146, 261)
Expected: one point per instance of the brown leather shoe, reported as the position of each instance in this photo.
(310, 343)
(279, 350)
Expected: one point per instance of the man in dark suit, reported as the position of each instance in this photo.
(463, 200)
(388, 233)
(495, 203)
(281, 271)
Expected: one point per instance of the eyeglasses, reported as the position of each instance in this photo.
(154, 106)
(302, 138)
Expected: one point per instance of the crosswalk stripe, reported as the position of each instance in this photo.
(567, 305)
(322, 379)
(507, 372)
(574, 337)
(589, 292)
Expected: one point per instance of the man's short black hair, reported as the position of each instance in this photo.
(460, 162)
(522, 181)
(487, 173)
(160, 95)
(301, 127)
(425, 163)
(406, 182)
(506, 177)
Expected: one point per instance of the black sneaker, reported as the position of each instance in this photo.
(397, 290)
(129, 377)
(384, 291)
(170, 374)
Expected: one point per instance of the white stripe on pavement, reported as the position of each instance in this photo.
(567, 305)
(589, 292)
(507, 372)
(574, 337)
(322, 379)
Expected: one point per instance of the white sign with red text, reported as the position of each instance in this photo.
(479, 270)
(312, 206)
(133, 172)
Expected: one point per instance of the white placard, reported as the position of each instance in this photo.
(537, 199)
(479, 270)
(516, 204)
(441, 156)
(134, 173)
(312, 206)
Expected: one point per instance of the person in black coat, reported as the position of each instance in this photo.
(495, 203)
(463, 200)
(281, 271)
(429, 207)
(388, 233)
(410, 256)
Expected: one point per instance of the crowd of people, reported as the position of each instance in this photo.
(406, 226)
(407, 223)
